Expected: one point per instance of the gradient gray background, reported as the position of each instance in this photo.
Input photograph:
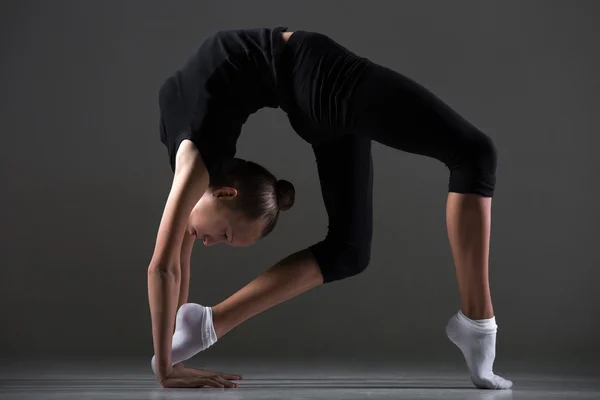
(85, 179)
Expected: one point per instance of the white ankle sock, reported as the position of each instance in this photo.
(194, 332)
(477, 341)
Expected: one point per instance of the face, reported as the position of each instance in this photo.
(214, 221)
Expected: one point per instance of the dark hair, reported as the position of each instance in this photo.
(260, 194)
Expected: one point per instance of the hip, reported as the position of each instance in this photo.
(321, 78)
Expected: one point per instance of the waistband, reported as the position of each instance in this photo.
(285, 68)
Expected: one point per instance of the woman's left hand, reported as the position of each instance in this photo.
(206, 373)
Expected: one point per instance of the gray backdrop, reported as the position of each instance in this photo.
(85, 178)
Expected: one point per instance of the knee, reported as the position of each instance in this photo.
(473, 169)
(485, 153)
(477, 152)
(338, 260)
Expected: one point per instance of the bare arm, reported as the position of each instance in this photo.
(186, 254)
(164, 273)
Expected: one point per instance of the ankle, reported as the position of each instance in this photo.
(218, 320)
(477, 313)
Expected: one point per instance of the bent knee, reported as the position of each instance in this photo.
(475, 150)
(484, 153)
(339, 261)
(473, 165)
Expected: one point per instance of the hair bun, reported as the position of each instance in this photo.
(286, 194)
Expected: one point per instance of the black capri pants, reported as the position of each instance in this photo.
(385, 106)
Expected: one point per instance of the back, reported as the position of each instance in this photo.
(233, 74)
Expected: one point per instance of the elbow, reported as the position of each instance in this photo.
(164, 270)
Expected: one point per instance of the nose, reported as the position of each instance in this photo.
(210, 241)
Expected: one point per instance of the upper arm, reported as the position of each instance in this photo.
(186, 249)
(186, 255)
(190, 181)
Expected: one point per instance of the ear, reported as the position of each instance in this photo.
(225, 193)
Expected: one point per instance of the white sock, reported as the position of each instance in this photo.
(477, 341)
(194, 332)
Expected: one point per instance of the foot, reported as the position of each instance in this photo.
(477, 342)
(194, 332)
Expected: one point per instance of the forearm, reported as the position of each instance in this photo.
(163, 293)
(184, 287)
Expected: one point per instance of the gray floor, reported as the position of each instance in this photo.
(131, 379)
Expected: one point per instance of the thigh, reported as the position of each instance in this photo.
(345, 168)
(396, 111)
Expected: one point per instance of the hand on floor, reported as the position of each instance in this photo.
(205, 372)
(182, 377)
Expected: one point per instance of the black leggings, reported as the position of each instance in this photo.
(392, 109)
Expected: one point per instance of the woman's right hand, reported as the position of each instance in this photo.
(190, 378)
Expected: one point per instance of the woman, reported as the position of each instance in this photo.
(338, 102)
